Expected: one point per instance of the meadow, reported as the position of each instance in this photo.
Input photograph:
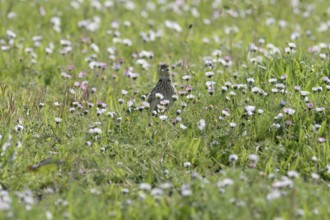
(248, 137)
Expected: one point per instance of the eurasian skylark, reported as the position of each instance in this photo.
(164, 93)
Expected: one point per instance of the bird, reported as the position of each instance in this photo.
(163, 94)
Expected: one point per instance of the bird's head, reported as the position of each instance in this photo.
(164, 71)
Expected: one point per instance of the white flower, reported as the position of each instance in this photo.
(183, 127)
(95, 47)
(253, 157)
(225, 113)
(224, 183)
(260, 111)
(209, 74)
(317, 89)
(130, 103)
(165, 102)
(327, 168)
(232, 124)
(19, 127)
(320, 109)
(232, 93)
(280, 85)
(323, 56)
(49, 215)
(175, 97)
(201, 124)
(250, 109)
(185, 190)
(166, 185)
(304, 93)
(124, 92)
(293, 174)
(326, 79)
(65, 42)
(146, 105)
(221, 118)
(111, 114)
(143, 63)
(163, 117)
(10, 34)
(314, 158)
(282, 183)
(289, 111)
(272, 80)
(190, 96)
(297, 88)
(145, 186)
(65, 75)
(156, 192)
(5, 202)
(279, 116)
(233, 158)
(186, 77)
(292, 45)
(58, 120)
(100, 111)
(159, 95)
(287, 50)
(12, 15)
(95, 131)
(210, 83)
(273, 195)
(187, 164)
(95, 191)
(125, 190)
(173, 25)
(275, 125)
(256, 90)
(315, 176)
(250, 80)
(274, 90)
(146, 54)
(5, 48)
(127, 42)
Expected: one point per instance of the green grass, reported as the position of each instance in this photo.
(138, 166)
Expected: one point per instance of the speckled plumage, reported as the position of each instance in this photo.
(164, 87)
